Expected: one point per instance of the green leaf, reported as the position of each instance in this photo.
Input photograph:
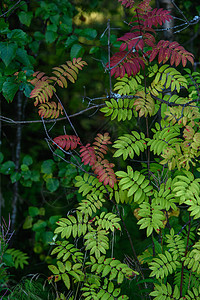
(1, 157)
(66, 280)
(28, 222)
(9, 89)
(53, 269)
(18, 36)
(33, 211)
(38, 36)
(61, 266)
(94, 50)
(50, 36)
(23, 57)
(52, 184)
(7, 52)
(88, 33)
(15, 177)
(76, 51)
(54, 219)
(27, 160)
(71, 40)
(25, 17)
(24, 168)
(39, 225)
(47, 166)
(8, 260)
(7, 167)
(120, 277)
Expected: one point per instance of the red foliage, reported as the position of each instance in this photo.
(123, 62)
(104, 171)
(88, 155)
(156, 17)
(67, 141)
(127, 3)
(129, 61)
(94, 156)
(170, 50)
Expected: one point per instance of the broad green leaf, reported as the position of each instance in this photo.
(23, 57)
(50, 36)
(24, 168)
(38, 36)
(25, 17)
(7, 52)
(28, 222)
(94, 50)
(88, 33)
(7, 167)
(52, 184)
(47, 166)
(52, 27)
(33, 211)
(2, 80)
(76, 51)
(15, 177)
(71, 40)
(39, 225)
(1, 157)
(35, 176)
(27, 160)
(18, 36)
(9, 89)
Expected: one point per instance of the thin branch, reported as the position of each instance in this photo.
(49, 139)
(10, 9)
(8, 120)
(72, 126)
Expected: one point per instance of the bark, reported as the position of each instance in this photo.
(168, 26)
(17, 159)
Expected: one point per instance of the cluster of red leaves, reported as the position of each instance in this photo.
(88, 155)
(94, 156)
(67, 141)
(123, 62)
(142, 35)
(127, 3)
(170, 50)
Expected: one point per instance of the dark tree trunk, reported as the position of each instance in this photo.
(17, 159)
(168, 26)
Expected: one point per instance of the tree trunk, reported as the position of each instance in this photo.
(17, 159)
(168, 26)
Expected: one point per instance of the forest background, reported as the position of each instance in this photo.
(36, 189)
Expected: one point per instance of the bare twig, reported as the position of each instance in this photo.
(4, 14)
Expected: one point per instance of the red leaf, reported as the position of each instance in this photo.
(67, 141)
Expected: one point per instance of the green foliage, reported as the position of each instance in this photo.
(33, 289)
(122, 110)
(130, 144)
(19, 258)
(135, 183)
(156, 181)
(166, 77)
